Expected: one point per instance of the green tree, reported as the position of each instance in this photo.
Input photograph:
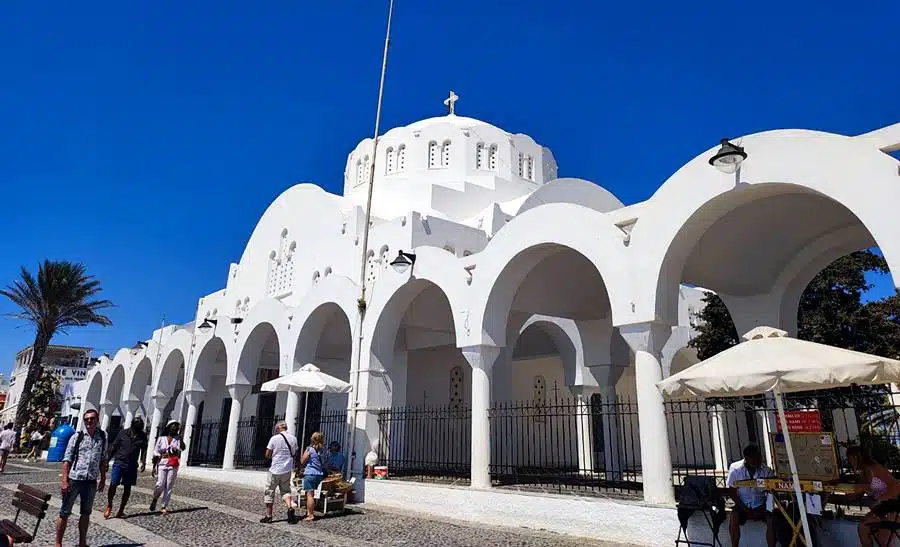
(831, 312)
(62, 296)
(45, 400)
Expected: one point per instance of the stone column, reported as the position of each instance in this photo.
(238, 392)
(159, 403)
(646, 341)
(584, 429)
(291, 410)
(106, 410)
(718, 432)
(194, 400)
(131, 407)
(482, 359)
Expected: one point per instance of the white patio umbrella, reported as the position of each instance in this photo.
(309, 379)
(769, 360)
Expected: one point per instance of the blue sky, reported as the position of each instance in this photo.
(123, 124)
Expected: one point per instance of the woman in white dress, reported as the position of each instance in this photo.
(168, 448)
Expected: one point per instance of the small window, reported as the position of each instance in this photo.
(359, 172)
(529, 167)
(492, 158)
(445, 154)
(367, 166)
(521, 162)
(401, 158)
(390, 161)
(479, 156)
(433, 155)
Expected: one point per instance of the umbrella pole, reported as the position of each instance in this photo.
(303, 427)
(779, 404)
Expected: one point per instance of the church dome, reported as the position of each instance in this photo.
(450, 165)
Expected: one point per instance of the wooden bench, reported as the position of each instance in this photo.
(31, 501)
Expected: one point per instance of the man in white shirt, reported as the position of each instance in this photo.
(7, 442)
(282, 448)
(749, 503)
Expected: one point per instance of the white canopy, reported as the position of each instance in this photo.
(769, 360)
(309, 379)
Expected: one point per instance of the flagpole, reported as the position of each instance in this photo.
(353, 401)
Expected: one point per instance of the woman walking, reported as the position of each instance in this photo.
(313, 472)
(168, 449)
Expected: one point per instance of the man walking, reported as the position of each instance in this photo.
(7, 442)
(282, 448)
(83, 463)
(126, 450)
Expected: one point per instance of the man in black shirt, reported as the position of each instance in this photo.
(125, 452)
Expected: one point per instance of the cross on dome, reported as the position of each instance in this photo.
(451, 102)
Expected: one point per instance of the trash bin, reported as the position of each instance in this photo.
(58, 441)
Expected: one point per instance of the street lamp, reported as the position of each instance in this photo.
(403, 262)
(729, 157)
(207, 324)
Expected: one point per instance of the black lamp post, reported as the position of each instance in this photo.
(729, 157)
(403, 262)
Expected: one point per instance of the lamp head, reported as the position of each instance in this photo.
(403, 262)
(729, 157)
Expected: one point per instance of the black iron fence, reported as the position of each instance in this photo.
(253, 434)
(593, 446)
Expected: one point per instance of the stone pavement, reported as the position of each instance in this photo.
(205, 513)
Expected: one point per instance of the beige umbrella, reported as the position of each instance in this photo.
(309, 379)
(769, 360)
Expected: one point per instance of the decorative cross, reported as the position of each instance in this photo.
(451, 102)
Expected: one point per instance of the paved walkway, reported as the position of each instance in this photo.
(204, 513)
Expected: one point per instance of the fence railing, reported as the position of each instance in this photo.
(574, 445)
(253, 434)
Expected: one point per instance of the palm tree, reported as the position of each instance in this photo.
(62, 296)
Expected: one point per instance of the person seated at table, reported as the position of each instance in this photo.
(336, 458)
(878, 482)
(749, 503)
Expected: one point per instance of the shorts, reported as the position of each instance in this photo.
(754, 514)
(85, 490)
(311, 482)
(4, 452)
(282, 481)
(123, 473)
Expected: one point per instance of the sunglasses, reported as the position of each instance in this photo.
(91, 419)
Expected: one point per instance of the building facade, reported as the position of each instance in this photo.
(506, 309)
(70, 363)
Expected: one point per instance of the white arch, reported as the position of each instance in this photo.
(305, 327)
(851, 172)
(530, 237)
(94, 392)
(267, 313)
(174, 355)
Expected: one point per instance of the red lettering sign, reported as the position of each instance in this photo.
(802, 421)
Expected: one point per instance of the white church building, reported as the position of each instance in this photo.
(514, 323)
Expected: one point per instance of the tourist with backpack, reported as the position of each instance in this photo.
(83, 473)
(282, 450)
(126, 450)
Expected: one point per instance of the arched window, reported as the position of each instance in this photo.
(529, 167)
(359, 172)
(433, 155)
(401, 158)
(521, 162)
(389, 160)
(367, 168)
(492, 157)
(445, 154)
(479, 156)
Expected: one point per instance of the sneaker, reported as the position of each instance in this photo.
(266, 520)
(153, 505)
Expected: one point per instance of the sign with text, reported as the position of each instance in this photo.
(801, 421)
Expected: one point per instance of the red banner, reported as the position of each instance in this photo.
(801, 421)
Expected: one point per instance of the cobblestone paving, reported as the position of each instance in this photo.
(205, 513)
